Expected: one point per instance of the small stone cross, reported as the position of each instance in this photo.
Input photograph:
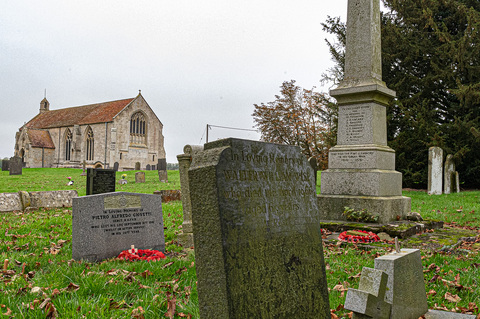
(133, 249)
(368, 301)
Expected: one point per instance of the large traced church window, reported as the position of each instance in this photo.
(138, 129)
(68, 144)
(89, 144)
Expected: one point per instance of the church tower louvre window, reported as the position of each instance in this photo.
(89, 144)
(68, 144)
(138, 129)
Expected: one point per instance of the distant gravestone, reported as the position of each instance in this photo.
(106, 224)
(15, 165)
(162, 164)
(5, 164)
(115, 166)
(435, 171)
(449, 181)
(84, 165)
(140, 177)
(137, 166)
(313, 163)
(100, 181)
(457, 182)
(258, 243)
(148, 167)
(162, 170)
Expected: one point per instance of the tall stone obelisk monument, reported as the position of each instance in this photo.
(361, 167)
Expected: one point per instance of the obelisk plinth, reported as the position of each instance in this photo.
(361, 167)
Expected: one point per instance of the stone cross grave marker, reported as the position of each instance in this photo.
(106, 224)
(449, 182)
(368, 301)
(258, 244)
(140, 177)
(15, 165)
(406, 286)
(184, 161)
(435, 171)
(100, 181)
(361, 167)
(5, 164)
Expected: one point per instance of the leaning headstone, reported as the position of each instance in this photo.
(368, 301)
(140, 177)
(258, 244)
(184, 161)
(449, 182)
(5, 164)
(104, 225)
(15, 165)
(361, 167)
(435, 171)
(137, 166)
(457, 182)
(148, 167)
(100, 181)
(406, 286)
(115, 166)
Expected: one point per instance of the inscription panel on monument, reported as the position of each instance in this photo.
(354, 124)
(352, 159)
(269, 229)
(100, 181)
(104, 225)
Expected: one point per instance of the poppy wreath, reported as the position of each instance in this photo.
(358, 237)
(142, 254)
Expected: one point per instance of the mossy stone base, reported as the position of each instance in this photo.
(391, 208)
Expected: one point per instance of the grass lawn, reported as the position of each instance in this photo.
(42, 281)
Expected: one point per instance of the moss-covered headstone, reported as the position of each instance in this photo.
(258, 244)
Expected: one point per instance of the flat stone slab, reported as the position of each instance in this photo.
(400, 229)
(437, 314)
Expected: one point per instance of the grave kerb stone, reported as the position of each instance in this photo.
(258, 246)
(104, 225)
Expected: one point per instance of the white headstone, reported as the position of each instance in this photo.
(435, 171)
(449, 181)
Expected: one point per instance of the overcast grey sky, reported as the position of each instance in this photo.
(196, 62)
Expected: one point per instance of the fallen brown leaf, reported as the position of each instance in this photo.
(171, 305)
(452, 298)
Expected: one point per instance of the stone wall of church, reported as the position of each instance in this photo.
(37, 157)
(126, 150)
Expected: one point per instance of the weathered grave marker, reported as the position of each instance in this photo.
(162, 170)
(5, 164)
(137, 166)
(449, 182)
(184, 162)
(106, 224)
(100, 181)
(148, 167)
(140, 177)
(15, 165)
(361, 167)
(457, 182)
(258, 244)
(115, 166)
(368, 301)
(406, 286)
(435, 171)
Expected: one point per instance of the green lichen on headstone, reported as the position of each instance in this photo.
(258, 244)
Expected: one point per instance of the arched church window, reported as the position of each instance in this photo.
(138, 129)
(68, 144)
(89, 147)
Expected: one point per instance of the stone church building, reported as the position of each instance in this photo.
(126, 132)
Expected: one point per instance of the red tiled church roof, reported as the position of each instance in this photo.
(40, 138)
(88, 114)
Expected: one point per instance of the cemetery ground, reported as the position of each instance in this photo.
(40, 279)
